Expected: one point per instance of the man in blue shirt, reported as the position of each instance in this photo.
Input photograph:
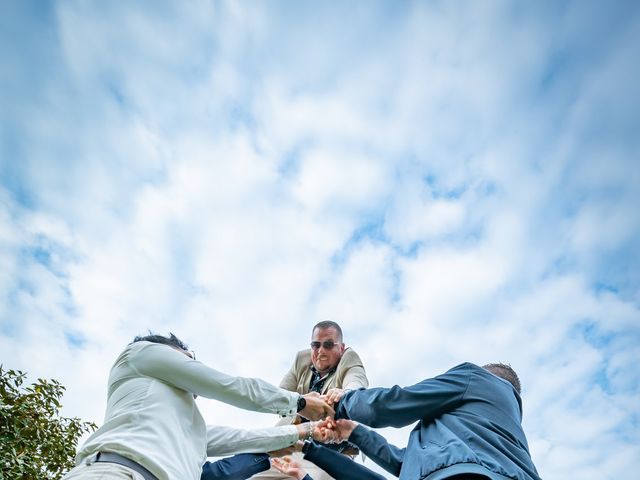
(469, 426)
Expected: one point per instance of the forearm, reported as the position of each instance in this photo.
(376, 447)
(370, 407)
(238, 467)
(227, 440)
(339, 466)
(401, 406)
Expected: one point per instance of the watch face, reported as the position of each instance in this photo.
(301, 403)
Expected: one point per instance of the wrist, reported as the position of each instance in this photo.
(305, 430)
(305, 447)
(302, 403)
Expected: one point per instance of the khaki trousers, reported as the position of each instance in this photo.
(102, 471)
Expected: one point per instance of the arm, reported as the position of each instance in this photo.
(369, 442)
(352, 377)
(355, 376)
(291, 468)
(174, 368)
(339, 466)
(401, 406)
(227, 440)
(376, 447)
(238, 467)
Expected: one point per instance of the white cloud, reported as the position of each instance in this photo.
(448, 185)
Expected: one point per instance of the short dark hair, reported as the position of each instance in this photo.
(504, 371)
(171, 340)
(328, 324)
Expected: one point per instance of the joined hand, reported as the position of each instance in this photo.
(330, 430)
(316, 407)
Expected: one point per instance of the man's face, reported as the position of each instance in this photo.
(323, 358)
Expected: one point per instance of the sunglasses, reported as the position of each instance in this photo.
(327, 344)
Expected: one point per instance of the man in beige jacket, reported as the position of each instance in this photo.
(328, 368)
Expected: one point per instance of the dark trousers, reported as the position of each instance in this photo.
(468, 476)
(238, 467)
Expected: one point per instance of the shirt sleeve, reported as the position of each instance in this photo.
(339, 466)
(174, 368)
(227, 440)
(376, 447)
(355, 376)
(238, 467)
(400, 406)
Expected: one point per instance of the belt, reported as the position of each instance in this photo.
(109, 457)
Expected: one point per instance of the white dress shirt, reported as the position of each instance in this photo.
(152, 417)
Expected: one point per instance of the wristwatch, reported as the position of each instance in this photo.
(305, 446)
(302, 402)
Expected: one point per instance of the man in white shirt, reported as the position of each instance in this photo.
(153, 429)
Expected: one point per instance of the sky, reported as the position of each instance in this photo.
(450, 181)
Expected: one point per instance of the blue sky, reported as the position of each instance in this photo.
(450, 181)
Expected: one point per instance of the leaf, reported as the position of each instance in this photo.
(35, 440)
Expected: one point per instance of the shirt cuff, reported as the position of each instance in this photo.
(292, 434)
(292, 407)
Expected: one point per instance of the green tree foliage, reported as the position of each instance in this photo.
(35, 441)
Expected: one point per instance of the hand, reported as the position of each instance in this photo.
(316, 407)
(288, 466)
(334, 395)
(322, 433)
(337, 431)
(315, 430)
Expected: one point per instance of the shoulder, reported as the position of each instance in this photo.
(151, 349)
(350, 358)
(478, 375)
(303, 358)
(467, 367)
(460, 373)
(137, 349)
(144, 355)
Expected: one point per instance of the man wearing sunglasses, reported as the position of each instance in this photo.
(329, 368)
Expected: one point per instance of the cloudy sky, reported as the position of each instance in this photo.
(450, 181)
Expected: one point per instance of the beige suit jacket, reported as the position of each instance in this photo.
(349, 375)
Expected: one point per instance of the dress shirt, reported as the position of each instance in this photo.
(152, 417)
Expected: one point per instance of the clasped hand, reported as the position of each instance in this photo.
(320, 406)
(330, 430)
